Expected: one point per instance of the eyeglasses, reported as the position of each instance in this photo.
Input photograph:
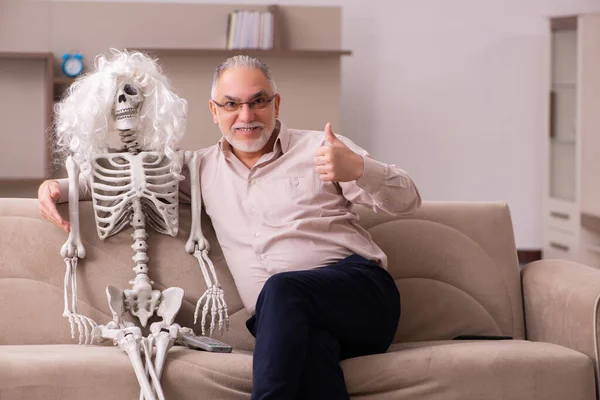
(256, 104)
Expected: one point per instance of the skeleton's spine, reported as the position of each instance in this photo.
(139, 236)
(129, 139)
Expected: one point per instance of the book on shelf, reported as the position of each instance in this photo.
(249, 29)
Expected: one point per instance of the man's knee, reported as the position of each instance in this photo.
(279, 284)
(282, 290)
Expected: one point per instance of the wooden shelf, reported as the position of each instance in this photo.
(15, 55)
(250, 52)
(63, 80)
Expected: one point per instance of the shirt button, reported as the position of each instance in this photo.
(257, 234)
(253, 181)
(253, 211)
(296, 183)
(263, 256)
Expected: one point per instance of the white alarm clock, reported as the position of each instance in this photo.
(72, 64)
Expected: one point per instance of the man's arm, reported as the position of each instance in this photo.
(55, 191)
(364, 180)
(382, 187)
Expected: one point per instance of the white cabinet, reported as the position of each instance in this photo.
(571, 207)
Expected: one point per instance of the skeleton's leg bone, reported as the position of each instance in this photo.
(170, 304)
(148, 362)
(164, 342)
(130, 343)
(147, 346)
(153, 375)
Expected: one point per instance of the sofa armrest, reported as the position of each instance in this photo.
(560, 299)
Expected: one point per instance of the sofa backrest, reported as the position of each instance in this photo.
(455, 265)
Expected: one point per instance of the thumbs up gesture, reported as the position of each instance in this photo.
(336, 162)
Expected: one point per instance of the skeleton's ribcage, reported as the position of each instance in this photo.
(119, 178)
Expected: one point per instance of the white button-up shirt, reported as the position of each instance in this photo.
(279, 216)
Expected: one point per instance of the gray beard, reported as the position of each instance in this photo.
(252, 147)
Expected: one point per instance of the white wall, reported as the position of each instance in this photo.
(453, 92)
(458, 95)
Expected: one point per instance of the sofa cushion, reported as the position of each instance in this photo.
(65, 372)
(491, 370)
(465, 370)
(456, 267)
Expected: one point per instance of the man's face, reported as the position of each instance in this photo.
(248, 128)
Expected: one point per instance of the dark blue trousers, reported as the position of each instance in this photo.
(306, 322)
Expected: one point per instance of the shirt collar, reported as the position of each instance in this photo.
(283, 138)
(282, 142)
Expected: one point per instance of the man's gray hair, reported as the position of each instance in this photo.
(241, 61)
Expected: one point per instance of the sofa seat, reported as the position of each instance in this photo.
(472, 370)
(490, 370)
(65, 372)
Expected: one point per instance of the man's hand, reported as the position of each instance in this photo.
(336, 162)
(48, 195)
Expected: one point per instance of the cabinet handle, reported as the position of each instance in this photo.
(552, 105)
(559, 246)
(560, 215)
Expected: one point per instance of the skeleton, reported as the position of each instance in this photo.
(138, 187)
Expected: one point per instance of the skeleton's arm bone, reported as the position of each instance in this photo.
(84, 193)
(196, 239)
(73, 247)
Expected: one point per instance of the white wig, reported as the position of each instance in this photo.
(83, 118)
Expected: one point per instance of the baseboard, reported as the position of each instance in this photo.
(527, 256)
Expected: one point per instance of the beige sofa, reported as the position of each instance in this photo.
(455, 265)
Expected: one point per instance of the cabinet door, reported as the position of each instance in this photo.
(563, 125)
(589, 34)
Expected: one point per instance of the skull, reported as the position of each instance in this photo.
(128, 103)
